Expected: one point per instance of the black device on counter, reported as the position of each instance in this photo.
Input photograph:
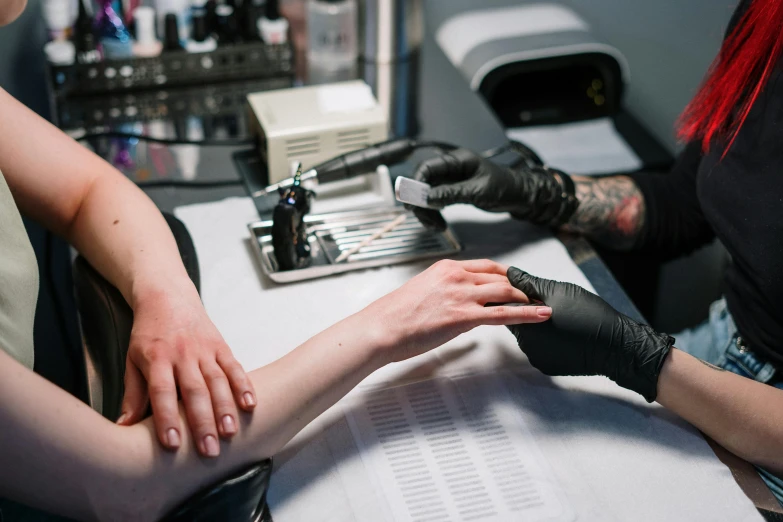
(289, 236)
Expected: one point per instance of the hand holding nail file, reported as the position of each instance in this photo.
(413, 192)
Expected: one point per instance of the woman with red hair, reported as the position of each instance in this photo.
(728, 182)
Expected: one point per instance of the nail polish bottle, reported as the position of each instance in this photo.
(84, 37)
(200, 41)
(171, 33)
(272, 27)
(227, 27)
(146, 44)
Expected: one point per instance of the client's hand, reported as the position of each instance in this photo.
(175, 345)
(446, 300)
(586, 336)
(462, 176)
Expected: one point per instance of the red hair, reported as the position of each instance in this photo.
(736, 77)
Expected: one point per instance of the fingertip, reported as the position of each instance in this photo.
(513, 273)
(544, 312)
(171, 439)
(210, 447)
(248, 401)
(122, 419)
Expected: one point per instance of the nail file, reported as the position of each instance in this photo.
(412, 192)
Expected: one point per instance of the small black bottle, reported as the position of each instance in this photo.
(84, 37)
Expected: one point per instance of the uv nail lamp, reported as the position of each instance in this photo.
(535, 64)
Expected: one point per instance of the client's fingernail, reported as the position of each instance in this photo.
(211, 448)
(250, 401)
(229, 427)
(544, 311)
(172, 437)
(122, 418)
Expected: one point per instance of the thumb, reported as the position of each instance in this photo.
(134, 403)
(428, 217)
(534, 287)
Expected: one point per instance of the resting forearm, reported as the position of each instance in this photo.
(611, 211)
(59, 454)
(124, 236)
(78, 195)
(744, 416)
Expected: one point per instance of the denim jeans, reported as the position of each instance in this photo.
(717, 341)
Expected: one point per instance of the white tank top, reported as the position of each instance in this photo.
(18, 281)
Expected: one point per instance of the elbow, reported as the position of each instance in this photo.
(125, 489)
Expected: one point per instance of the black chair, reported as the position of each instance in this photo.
(106, 321)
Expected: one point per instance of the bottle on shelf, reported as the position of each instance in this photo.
(171, 33)
(146, 44)
(114, 39)
(332, 33)
(272, 27)
(227, 26)
(84, 36)
(200, 41)
(58, 17)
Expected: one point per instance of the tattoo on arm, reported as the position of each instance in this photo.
(611, 211)
(705, 363)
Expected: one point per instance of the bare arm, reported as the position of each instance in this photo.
(744, 416)
(119, 230)
(58, 454)
(611, 211)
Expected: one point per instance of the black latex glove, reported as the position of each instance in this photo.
(586, 336)
(462, 176)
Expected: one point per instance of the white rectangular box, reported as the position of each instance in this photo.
(314, 124)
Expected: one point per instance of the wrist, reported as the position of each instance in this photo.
(381, 338)
(567, 197)
(160, 287)
(644, 354)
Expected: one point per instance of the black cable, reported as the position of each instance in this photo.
(189, 184)
(436, 145)
(165, 141)
(496, 151)
(526, 153)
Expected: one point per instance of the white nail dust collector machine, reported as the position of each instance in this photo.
(314, 124)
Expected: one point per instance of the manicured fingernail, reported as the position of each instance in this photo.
(544, 311)
(172, 436)
(249, 399)
(122, 418)
(211, 448)
(229, 428)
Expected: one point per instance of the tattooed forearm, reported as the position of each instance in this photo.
(611, 211)
(705, 363)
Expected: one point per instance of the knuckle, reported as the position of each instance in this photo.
(509, 292)
(224, 405)
(181, 348)
(499, 311)
(194, 391)
(158, 389)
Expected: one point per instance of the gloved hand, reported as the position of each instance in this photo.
(586, 336)
(462, 176)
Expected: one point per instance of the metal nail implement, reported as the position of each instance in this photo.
(332, 235)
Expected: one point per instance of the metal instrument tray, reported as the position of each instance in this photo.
(331, 234)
